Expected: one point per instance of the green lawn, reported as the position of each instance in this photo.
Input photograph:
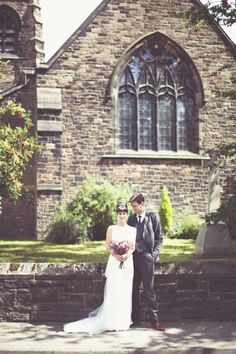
(40, 252)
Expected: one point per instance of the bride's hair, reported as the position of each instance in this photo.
(121, 207)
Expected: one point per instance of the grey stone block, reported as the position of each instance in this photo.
(213, 240)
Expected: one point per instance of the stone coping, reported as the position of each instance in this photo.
(95, 269)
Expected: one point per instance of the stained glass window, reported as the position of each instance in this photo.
(156, 101)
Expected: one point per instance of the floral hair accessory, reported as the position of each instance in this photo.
(121, 207)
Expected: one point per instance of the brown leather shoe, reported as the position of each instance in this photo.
(157, 326)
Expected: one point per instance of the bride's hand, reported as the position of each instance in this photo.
(123, 257)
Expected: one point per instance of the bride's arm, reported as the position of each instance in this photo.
(108, 241)
(132, 248)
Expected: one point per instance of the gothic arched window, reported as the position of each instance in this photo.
(156, 101)
(9, 30)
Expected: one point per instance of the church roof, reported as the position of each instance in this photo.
(83, 27)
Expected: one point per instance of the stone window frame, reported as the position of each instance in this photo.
(113, 90)
(12, 29)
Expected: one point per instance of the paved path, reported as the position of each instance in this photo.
(179, 337)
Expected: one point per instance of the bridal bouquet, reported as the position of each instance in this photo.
(120, 248)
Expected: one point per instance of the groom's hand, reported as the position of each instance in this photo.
(122, 257)
(156, 256)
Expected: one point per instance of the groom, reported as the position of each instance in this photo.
(148, 243)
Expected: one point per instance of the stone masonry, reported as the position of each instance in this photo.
(75, 100)
(66, 292)
(18, 220)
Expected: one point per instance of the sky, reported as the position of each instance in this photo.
(72, 13)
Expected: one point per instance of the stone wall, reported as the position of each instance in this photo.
(18, 220)
(67, 292)
(73, 99)
(87, 71)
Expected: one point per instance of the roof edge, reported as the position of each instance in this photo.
(224, 36)
(80, 30)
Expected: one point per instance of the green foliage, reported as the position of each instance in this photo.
(224, 13)
(186, 228)
(226, 156)
(195, 18)
(16, 146)
(63, 229)
(165, 211)
(221, 11)
(226, 213)
(89, 214)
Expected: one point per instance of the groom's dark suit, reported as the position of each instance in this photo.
(148, 242)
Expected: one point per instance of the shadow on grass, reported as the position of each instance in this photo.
(92, 252)
(39, 252)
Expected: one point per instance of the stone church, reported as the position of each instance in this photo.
(129, 96)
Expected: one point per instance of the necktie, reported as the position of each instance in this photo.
(139, 219)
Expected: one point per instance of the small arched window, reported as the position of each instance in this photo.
(9, 30)
(156, 100)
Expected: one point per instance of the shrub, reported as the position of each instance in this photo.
(89, 214)
(186, 228)
(63, 229)
(94, 206)
(165, 211)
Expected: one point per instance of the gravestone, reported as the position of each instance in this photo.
(213, 240)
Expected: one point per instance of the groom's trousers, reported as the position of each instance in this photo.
(144, 271)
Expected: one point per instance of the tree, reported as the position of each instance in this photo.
(222, 12)
(226, 157)
(165, 211)
(17, 145)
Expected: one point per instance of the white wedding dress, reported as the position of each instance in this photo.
(115, 312)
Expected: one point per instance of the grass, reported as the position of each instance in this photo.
(173, 250)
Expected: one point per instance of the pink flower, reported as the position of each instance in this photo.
(120, 248)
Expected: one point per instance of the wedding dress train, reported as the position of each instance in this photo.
(115, 312)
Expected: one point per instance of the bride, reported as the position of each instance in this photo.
(115, 312)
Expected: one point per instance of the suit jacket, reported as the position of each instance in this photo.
(151, 231)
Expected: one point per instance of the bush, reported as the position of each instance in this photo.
(94, 206)
(89, 214)
(63, 229)
(186, 228)
(165, 211)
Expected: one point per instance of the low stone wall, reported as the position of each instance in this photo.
(67, 292)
